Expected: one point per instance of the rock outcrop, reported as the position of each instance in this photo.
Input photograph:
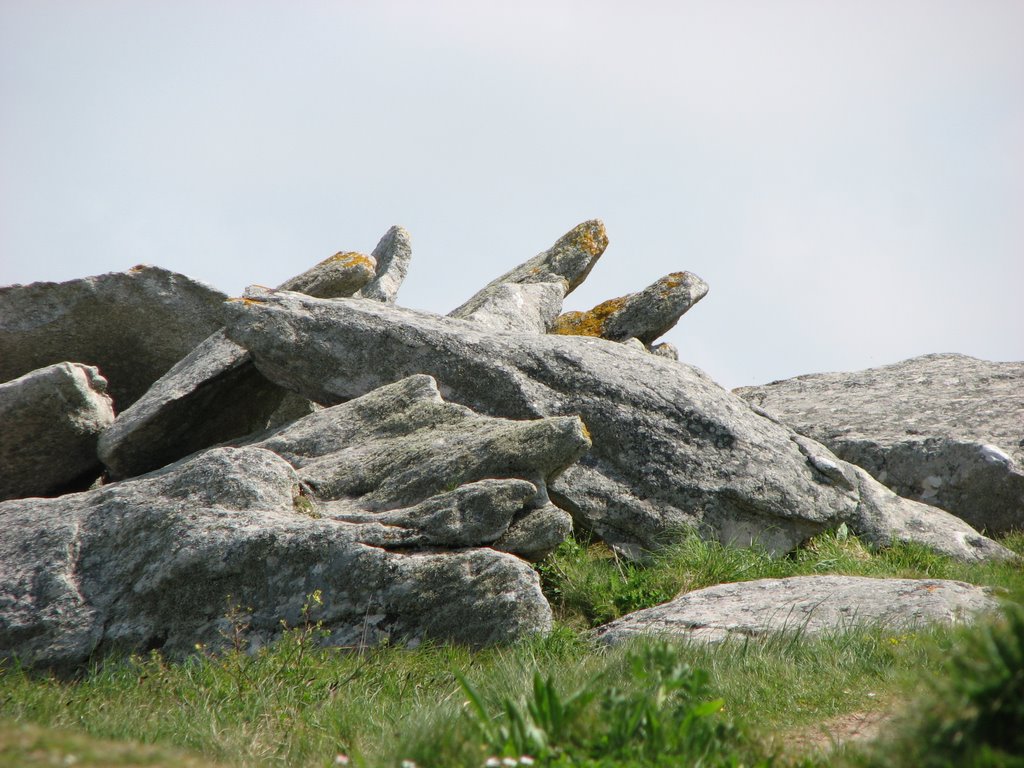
(131, 325)
(646, 315)
(944, 429)
(385, 503)
(671, 449)
(808, 605)
(50, 420)
(342, 274)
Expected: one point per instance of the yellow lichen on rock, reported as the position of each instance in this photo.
(589, 323)
(589, 236)
(347, 259)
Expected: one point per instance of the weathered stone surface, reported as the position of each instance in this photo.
(671, 447)
(377, 489)
(523, 308)
(569, 260)
(342, 274)
(132, 325)
(393, 254)
(49, 423)
(213, 395)
(645, 315)
(665, 350)
(943, 429)
(806, 604)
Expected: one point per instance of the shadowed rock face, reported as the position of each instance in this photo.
(392, 254)
(943, 429)
(807, 605)
(131, 325)
(50, 420)
(383, 503)
(671, 448)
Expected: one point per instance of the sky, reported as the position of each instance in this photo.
(848, 177)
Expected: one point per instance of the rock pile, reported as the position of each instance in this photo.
(316, 436)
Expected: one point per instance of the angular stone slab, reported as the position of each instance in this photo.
(342, 274)
(132, 325)
(944, 429)
(570, 260)
(671, 448)
(386, 508)
(808, 605)
(214, 394)
(50, 420)
(646, 315)
(393, 254)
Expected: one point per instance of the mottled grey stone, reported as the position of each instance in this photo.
(808, 605)
(364, 501)
(50, 420)
(132, 325)
(671, 449)
(645, 315)
(944, 429)
(342, 274)
(569, 260)
(393, 254)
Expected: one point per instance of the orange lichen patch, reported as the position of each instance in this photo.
(670, 282)
(139, 267)
(245, 300)
(586, 432)
(591, 322)
(347, 259)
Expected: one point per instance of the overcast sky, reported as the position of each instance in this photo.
(847, 176)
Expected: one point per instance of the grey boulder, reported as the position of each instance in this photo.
(519, 307)
(385, 503)
(646, 315)
(804, 605)
(944, 429)
(671, 449)
(50, 420)
(132, 325)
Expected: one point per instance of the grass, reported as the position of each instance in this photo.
(561, 698)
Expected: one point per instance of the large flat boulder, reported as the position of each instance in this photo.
(50, 420)
(807, 605)
(944, 429)
(671, 449)
(390, 504)
(132, 325)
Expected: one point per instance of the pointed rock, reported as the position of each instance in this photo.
(670, 447)
(131, 325)
(569, 260)
(342, 274)
(645, 315)
(393, 254)
(947, 430)
(50, 420)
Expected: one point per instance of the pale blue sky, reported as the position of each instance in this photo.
(847, 176)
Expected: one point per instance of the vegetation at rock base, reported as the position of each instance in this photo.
(559, 701)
